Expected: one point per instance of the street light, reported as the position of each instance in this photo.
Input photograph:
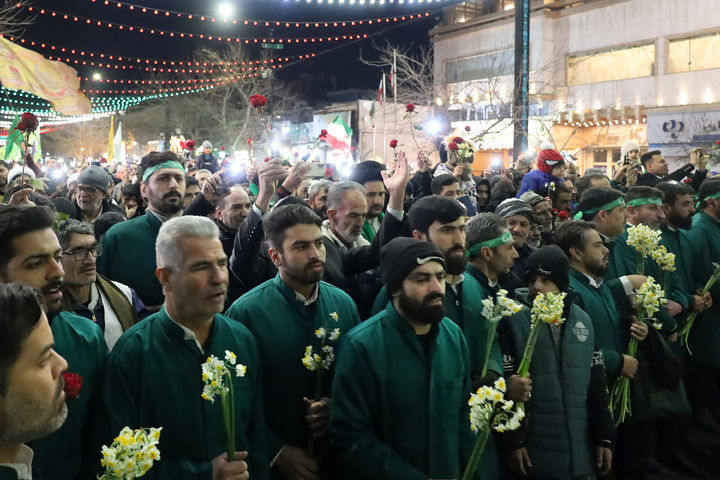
(225, 10)
(97, 76)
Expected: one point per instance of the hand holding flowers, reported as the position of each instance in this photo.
(494, 311)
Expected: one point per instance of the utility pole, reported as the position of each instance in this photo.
(522, 71)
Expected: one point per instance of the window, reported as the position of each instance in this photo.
(616, 64)
(491, 65)
(696, 53)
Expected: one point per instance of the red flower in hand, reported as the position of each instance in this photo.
(410, 107)
(393, 143)
(563, 215)
(257, 101)
(467, 128)
(30, 121)
(453, 147)
(73, 385)
(458, 140)
(190, 144)
(323, 134)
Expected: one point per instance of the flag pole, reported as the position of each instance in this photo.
(384, 121)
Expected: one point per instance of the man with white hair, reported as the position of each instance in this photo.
(175, 342)
(317, 197)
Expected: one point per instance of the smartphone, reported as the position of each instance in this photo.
(497, 167)
(317, 170)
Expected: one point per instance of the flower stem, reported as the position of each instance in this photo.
(488, 347)
(524, 367)
(476, 455)
(640, 264)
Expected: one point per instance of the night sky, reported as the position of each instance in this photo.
(340, 56)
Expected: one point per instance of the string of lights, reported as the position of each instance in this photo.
(267, 23)
(175, 82)
(246, 40)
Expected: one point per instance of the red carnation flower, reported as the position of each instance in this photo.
(323, 134)
(717, 143)
(267, 159)
(250, 141)
(393, 143)
(73, 385)
(410, 107)
(453, 147)
(563, 215)
(458, 140)
(467, 128)
(190, 144)
(222, 148)
(257, 101)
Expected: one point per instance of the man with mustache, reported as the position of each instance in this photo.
(90, 202)
(32, 402)
(317, 197)
(519, 216)
(114, 307)
(4, 171)
(402, 383)
(613, 325)
(285, 316)
(176, 341)
(30, 254)
(129, 247)
(369, 175)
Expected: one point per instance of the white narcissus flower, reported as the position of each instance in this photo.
(548, 308)
(335, 335)
(664, 259)
(131, 454)
(648, 298)
(490, 410)
(320, 333)
(643, 239)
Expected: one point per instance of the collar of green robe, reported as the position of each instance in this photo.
(166, 164)
(715, 195)
(608, 206)
(644, 201)
(495, 242)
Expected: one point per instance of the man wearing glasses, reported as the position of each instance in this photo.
(113, 306)
(90, 192)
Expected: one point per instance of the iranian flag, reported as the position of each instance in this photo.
(339, 134)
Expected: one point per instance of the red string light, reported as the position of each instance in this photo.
(168, 90)
(276, 23)
(202, 36)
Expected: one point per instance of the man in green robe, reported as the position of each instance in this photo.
(704, 236)
(287, 315)
(369, 174)
(155, 376)
(32, 403)
(30, 255)
(129, 247)
(402, 384)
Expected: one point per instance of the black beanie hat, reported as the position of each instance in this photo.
(367, 171)
(551, 262)
(402, 255)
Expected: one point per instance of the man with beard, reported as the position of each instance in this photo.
(4, 171)
(369, 175)
(286, 315)
(176, 341)
(482, 193)
(129, 247)
(403, 378)
(679, 208)
(30, 254)
(114, 307)
(346, 211)
(32, 401)
(317, 197)
(543, 217)
(92, 187)
(519, 216)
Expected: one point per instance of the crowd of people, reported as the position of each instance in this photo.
(131, 280)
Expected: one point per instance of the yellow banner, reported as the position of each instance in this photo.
(23, 69)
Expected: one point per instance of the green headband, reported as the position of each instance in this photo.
(644, 201)
(608, 206)
(166, 164)
(495, 242)
(715, 196)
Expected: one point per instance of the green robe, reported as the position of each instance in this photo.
(611, 333)
(367, 231)
(155, 380)
(704, 236)
(677, 242)
(129, 257)
(400, 412)
(283, 327)
(72, 452)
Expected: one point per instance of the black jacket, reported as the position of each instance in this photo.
(650, 179)
(252, 265)
(208, 162)
(106, 207)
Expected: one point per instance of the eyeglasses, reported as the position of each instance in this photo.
(86, 190)
(81, 254)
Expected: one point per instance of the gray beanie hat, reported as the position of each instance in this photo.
(531, 198)
(95, 177)
(206, 144)
(514, 206)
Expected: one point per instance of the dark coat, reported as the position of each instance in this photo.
(208, 162)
